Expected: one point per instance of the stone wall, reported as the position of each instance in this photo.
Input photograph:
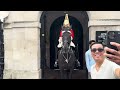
(22, 45)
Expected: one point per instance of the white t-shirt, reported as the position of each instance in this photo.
(106, 70)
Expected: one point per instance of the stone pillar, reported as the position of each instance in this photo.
(22, 45)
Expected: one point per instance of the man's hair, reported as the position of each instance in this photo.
(97, 43)
(91, 41)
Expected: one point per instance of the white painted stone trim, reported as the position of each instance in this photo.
(22, 25)
(104, 22)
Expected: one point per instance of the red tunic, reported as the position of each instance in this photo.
(72, 33)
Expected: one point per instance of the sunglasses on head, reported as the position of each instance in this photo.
(99, 50)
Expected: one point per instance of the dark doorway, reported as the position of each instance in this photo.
(54, 36)
(51, 22)
(1, 51)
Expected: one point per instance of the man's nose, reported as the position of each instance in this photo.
(97, 51)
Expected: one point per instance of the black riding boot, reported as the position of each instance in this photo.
(56, 61)
(78, 63)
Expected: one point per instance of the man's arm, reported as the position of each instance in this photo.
(117, 72)
(61, 33)
(72, 33)
(116, 69)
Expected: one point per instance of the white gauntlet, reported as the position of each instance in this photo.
(60, 39)
(60, 42)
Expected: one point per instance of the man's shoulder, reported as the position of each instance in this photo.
(110, 62)
(92, 67)
(87, 51)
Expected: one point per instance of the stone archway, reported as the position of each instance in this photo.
(48, 24)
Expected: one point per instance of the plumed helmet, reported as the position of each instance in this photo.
(66, 21)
